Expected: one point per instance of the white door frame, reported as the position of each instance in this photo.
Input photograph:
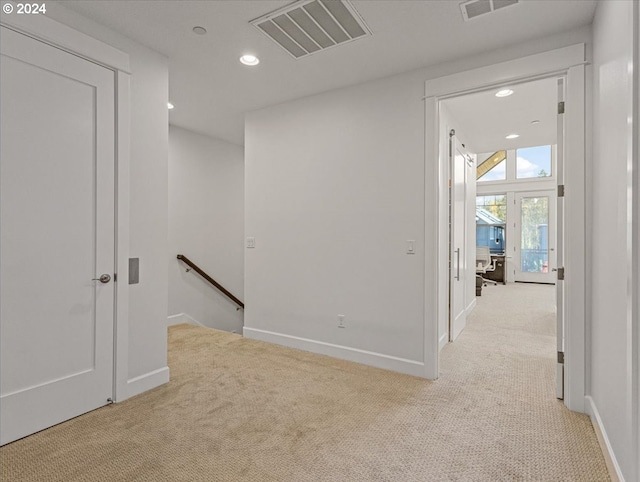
(570, 63)
(47, 30)
(633, 251)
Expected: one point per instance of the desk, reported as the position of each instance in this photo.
(499, 273)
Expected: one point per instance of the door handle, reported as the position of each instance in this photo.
(105, 278)
(458, 264)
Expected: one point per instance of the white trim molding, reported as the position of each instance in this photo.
(444, 339)
(182, 318)
(123, 142)
(439, 238)
(146, 382)
(633, 274)
(575, 235)
(568, 62)
(379, 360)
(605, 445)
(506, 72)
(65, 38)
(635, 294)
(471, 306)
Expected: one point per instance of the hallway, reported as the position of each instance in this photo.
(239, 409)
(503, 365)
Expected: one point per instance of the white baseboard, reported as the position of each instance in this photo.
(471, 306)
(609, 457)
(379, 360)
(181, 318)
(444, 338)
(145, 382)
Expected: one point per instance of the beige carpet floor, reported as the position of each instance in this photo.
(238, 409)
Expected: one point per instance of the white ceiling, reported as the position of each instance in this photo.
(212, 90)
(484, 119)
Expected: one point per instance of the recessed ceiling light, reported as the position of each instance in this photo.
(249, 60)
(512, 136)
(170, 105)
(199, 30)
(535, 121)
(504, 93)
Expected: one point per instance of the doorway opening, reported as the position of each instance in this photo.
(503, 221)
(566, 64)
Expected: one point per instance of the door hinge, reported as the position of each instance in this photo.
(560, 273)
(560, 107)
(561, 357)
(560, 190)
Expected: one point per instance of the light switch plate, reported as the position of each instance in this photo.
(411, 246)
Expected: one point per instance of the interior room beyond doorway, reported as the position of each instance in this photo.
(513, 133)
(513, 136)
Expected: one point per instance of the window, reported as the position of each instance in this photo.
(493, 168)
(491, 219)
(533, 162)
(495, 205)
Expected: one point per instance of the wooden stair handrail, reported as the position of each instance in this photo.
(193, 266)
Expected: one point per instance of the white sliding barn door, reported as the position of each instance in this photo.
(460, 235)
(57, 235)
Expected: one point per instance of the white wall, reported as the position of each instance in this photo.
(148, 200)
(611, 387)
(331, 208)
(206, 224)
(334, 187)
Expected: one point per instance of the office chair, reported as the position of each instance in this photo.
(484, 264)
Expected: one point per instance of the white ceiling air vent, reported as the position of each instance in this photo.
(475, 8)
(309, 26)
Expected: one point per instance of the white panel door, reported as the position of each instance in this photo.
(458, 250)
(57, 235)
